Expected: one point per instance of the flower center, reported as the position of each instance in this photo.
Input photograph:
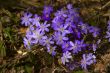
(26, 18)
(61, 29)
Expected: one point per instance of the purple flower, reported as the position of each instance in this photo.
(69, 6)
(71, 26)
(59, 18)
(35, 20)
(51, 50)
(57, 22)
(59, 38)
(47, 9)
(99, 41)
(76, 47)
(47, 41)
(108, 27)
(66, 56)
(44, 27)
(46, 12)
(70, 18)
(71, 66)
(26, 19)
(61, 13)
(66, 46)
(29, 31)
(73, 12)
(84, 27)
(46, 17)
(94, 31)
(82, 44)
(28, 38)
(73, 16)
(87, 60)
(77, 33)
(108, 35)
(37, 36)
(108, 32)
(94, 46)
(63, 29)
(27, 42)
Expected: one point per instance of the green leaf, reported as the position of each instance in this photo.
(28, 69)
(2, 50)
(80, 71)
(8, 34)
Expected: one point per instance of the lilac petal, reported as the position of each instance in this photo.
(71, 43)
(65, 38)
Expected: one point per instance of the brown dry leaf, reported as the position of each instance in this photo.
(46, 70)
(104, 62)
(99, 67)
(89, 0)
(84, 11)
(22, 30)
(106, 59)
(96, 0)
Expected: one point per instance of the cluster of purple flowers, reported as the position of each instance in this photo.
(64, 32)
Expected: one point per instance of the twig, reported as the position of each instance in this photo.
(55, 70)
(105, 5)
(1, 31)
